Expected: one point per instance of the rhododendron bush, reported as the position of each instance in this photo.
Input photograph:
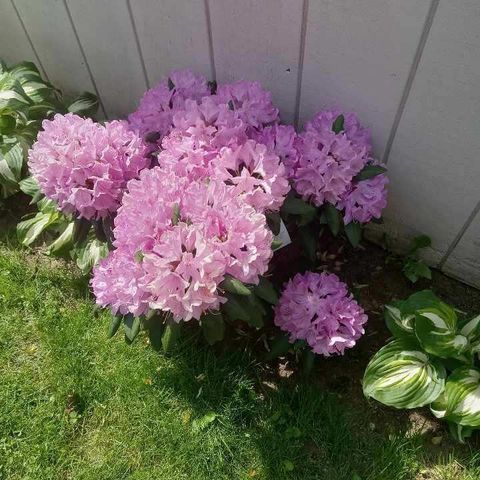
(198, 193)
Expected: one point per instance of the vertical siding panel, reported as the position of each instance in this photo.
(434, 159)
(14, 44)
(464, 261)
(106, 34)
(51, 32)
(172, 35)
(255, 40)
(358, 56)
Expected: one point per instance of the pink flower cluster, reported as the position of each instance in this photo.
(318, 309)
(85, 166)
(184, 237)
(154, 116)
(326, 164)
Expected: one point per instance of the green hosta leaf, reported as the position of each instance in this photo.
(63, 243)
(338, 124)
(333, 218)
(171, 335)
(353, 230)
(233, 285)
(30, 187)
(400, 324)
(114, 325)
(436, 330)
(266, 291)
(7, 124)
(29, 230)
(11, 164)
(81, 229)
(401, 376)
(460, 432)
(460, 402)
(419, 300)
(213, 327)
(86, 104)
(90, 254)
(471, 329)
(131, 326)
(12, 95)
(45, 205)
(369, 171)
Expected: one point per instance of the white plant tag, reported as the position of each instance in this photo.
(282, 236)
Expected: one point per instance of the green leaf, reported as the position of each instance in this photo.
(64, 242)
(280, 346)
(233, 285)
(234, 309)
(90, 254)
(30, 187)
(338, 124)
(213, 327)
(131, 326)
(400, 324)
(171, 335)
(401, 376)
(353, 230)
(276, 244)
(296, 206)
(436, 330)
(7, 124)
(176, 214)
(273, 222)
(309, 243)
(460, 432)
(86, 104)
(421, 241)
(29, 230)
(155, 325)
(460, 402)
(471, 329)
(11, 165)
(114, 325)
(419, 300)
(333, 218)
(308, 361)
(266, 291)
(81, 228)
(369, 171)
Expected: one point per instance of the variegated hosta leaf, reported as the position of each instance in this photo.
(436, 330)
(401, 376)
(471, 330)
(400, 324)
(460, 401)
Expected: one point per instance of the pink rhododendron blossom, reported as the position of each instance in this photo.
(327, 162)
(365, 200)
(281, 140)
(84, 166)
(117, 282)
(317, 308)
(183, 272)
(211, 124)
(250, 101)
(187, 236)
(255, 173)
(154, 116)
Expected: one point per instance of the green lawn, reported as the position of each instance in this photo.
(75, 405)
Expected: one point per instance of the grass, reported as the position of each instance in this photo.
(74, 405)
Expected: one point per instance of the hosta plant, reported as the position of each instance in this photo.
(25, 100)
(433, 360)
